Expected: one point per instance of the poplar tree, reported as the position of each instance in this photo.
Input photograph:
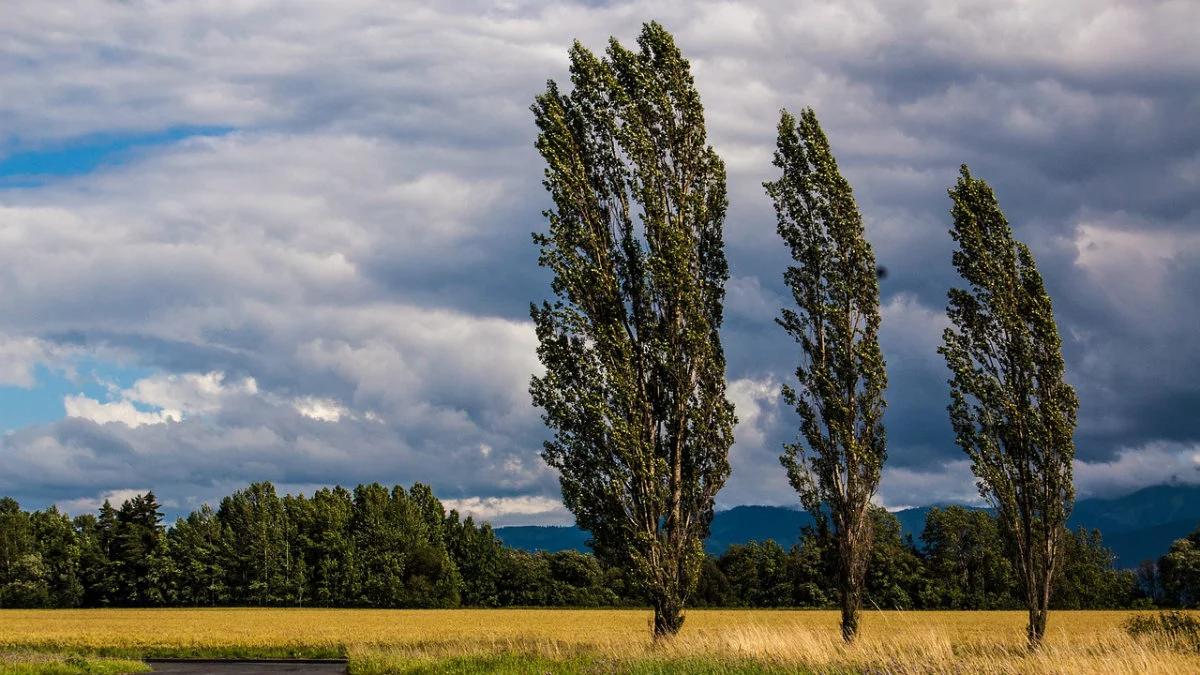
(836, 466)
(1012, 412)
(634, 383)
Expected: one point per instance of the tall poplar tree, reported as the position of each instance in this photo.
(834, 282)
(1012, 411)
(634, 383)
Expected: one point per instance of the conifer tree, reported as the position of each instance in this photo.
(1012, 411)
(836, 466)
(634, 383)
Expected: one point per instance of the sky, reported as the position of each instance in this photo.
(285, 241)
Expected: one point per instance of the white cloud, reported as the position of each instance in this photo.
(189, 393)
(115, 498)
(755, 402)
(1134, 468)
(323, 409)
(503, 510)
(122, 411)
(171, 397)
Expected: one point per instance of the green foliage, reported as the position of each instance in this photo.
(1179, 572)
(480, 558)
(969, 567)
(842, 377)
(896, 574)
(42, 663)
(22, 572)
(634, 383)
(1087, 579)
(758, 574)
(197, 545)
(1174, 627)
(1013, 412)
(380, 547)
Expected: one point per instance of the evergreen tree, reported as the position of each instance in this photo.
(1012, 411)
(295, 571)
(252, 539)
(634, 387)
(814, 566)
(137, 550)
(197, 550)
(329, 547)
(94, 566)
(430, 577)
(837, 465)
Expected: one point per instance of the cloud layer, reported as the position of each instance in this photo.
(329, 283)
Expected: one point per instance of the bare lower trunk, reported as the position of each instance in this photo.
(1037, 626)
(1039, 564)
(853, 546)
(1038, 603)
(851, 604)
(668, 616)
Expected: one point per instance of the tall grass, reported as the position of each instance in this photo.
(786, 650)
(609, 641)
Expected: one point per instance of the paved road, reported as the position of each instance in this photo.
(246, 667)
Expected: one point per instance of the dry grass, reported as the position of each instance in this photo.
(717, 641)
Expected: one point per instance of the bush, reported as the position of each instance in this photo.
(1173, 627)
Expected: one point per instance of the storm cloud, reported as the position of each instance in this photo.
(317, 256)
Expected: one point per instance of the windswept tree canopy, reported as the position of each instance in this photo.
(837, 463)
(634, 387)
(1012, 410)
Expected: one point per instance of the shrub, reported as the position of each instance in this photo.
(1173, 627)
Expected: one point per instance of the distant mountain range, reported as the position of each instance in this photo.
(1138, 526)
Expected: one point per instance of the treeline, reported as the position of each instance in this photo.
(961, 562)
(375, 547)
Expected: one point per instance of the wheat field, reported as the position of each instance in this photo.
(532, 640)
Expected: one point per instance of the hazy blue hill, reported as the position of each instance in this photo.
(544, 537)
(755, 523)
(733, 526)
(1141, 525)
(1136, 527)
(1133, 546)
(1147, 507)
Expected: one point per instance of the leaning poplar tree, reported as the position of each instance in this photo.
(1012, 412)
(835, 285)
(634, 383)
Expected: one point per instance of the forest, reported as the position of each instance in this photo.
(379, 547)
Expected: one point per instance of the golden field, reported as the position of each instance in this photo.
(532, 640)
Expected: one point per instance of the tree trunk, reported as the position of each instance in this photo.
(851, 602)
(1037, 626)
(668, 615)
(854, 543)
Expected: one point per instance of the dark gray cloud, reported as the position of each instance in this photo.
(360, 243)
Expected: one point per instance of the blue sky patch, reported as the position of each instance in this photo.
(31, 167)
(43, 402)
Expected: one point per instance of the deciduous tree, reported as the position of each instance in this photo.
(634, 383)
(837, 463)
(1012, 411)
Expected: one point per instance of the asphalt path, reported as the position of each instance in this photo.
(248, 667)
